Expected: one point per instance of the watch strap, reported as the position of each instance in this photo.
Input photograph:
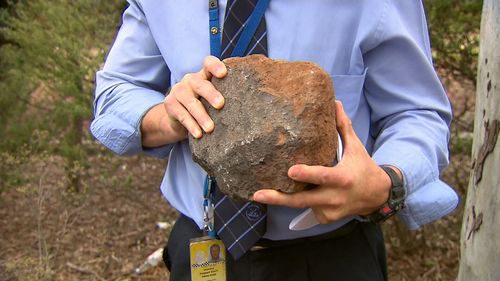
(397, 195)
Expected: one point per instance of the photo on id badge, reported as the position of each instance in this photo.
(207, 259)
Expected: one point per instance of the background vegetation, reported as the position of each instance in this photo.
(454, 27)
(49, 52)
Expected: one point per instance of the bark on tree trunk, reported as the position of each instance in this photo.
(480, 240)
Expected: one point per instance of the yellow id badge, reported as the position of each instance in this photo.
(208, 259)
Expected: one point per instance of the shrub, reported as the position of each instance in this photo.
(50, 53)
(454, 28)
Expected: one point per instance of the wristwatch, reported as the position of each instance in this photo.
(396, 199)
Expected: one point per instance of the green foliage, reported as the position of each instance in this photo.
(12, 163)
(50, 53)
(454, 27)
(461, 144)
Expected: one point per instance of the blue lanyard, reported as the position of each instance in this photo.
(208, 207)
(246, 35)
(213, 13)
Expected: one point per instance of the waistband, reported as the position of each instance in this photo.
(339, 232)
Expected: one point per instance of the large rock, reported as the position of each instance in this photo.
(276, 114)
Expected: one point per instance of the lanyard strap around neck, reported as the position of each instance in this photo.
(246, 35)
(213, 13)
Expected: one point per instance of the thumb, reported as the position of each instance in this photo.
(344, 127)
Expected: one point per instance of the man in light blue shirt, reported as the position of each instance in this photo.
(393, 108)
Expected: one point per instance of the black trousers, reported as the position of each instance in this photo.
(357, 254)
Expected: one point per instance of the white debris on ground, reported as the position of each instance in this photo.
(151, 261)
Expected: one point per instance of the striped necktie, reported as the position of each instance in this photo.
(236, 18)
(240, 224)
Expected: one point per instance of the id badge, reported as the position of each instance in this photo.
(208, 259)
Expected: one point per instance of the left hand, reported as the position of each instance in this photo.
(355, 186)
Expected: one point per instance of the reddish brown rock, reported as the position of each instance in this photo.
(277, 114)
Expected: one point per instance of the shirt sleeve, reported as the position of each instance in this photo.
(410, 112)
(134, 78)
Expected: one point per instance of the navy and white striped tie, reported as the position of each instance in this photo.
(240, 224)
(236, 18)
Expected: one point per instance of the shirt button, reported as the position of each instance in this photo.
(214, 30)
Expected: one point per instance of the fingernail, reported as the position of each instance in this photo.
(340, 104)
(255, 197)
(197, 133)
(208, 126)
(293, 172)
(258, 196)
(219, 102)
(220, 70)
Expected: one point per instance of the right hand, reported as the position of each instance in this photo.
(182, 110)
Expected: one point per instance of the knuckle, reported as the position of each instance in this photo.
(346, 181)
(337, 201)
(333, 201)
(201, 87)
(192, 104)
(183, 118)
(177, 89)
(188, 77)
(208, 61)
(341, 201)
(346, 123)
(349, 122)
(324, 178)
(300, 203)
(169, 103)
(197, 87)
(191, 80)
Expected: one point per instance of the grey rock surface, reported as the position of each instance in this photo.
(276, 114)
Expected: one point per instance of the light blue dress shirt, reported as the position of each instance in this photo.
(377, 53)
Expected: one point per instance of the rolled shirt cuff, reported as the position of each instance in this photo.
(428, 198)
(120, 130)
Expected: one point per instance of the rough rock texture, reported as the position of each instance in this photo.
(277, 114)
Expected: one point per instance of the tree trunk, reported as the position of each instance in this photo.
(480, 240)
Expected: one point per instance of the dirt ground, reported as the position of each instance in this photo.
(107, 230)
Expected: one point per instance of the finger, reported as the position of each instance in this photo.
(178, 112)
(319, 214)
(205, 89)
(344, 124)
(188, 99)
(327, 214)
(213, 66)
(318, 175)
(302, 199)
